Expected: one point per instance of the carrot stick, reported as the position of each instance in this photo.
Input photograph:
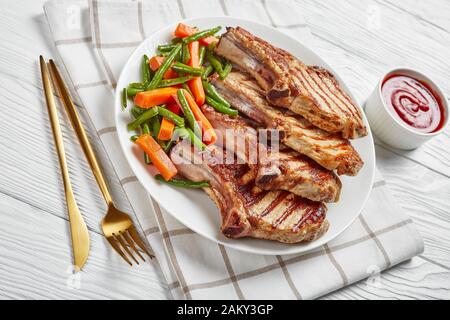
(148, 99)
(184, 30)
(156, 61)
(159, 158)
(196, 87)
(209, 135)
(194, 51)
(195, 84)
(166, 129)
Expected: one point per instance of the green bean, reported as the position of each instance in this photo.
(220, 107)
(207, 72)
(136, 111)
(217, 65)
(150, 113)
(187, 133)
(145, 69)
(179, 57)
(173, 82)
(146, 130)
(226, 70)
(201, 55)
(212, 46)
(187, 111)
(186, 87)
(131, 92)
(195, 140)
(182, 68)
(185, 55)
(156, 125)
(137, 85)
(163, 68)
(134, 137)
(212, 92)
(166, 47)
(176, 40)
(168, 146)
(124, 98)
(169, 115)
(201, 34)
(183, 183)
(162, 144)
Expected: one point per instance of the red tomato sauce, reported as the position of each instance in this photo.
(413, 102)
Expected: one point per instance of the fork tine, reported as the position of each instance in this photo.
(131, 243)
(124, 246)
(113, 243)
(137, 239)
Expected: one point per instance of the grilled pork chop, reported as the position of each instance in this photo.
(310, 91)
(248, 211)
(275, 170)
(327, 149)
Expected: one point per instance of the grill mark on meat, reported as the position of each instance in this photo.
(275, 202)
(305, 84)
(287, 212)
(305, 75)
(313, 134)
(342, 98)
(350, 103)
(332, 97)
(347, 103)
(303, 219)
(317, 215)
(249, 196)
(240, 171)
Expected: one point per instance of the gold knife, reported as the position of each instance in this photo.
(117, 226)
(78, 230)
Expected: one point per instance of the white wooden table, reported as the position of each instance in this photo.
(361, 39)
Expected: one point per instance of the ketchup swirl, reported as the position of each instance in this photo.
(413, 102)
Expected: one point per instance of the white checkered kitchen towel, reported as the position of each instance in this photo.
(94, 39)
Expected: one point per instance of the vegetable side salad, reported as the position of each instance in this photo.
(168, 102)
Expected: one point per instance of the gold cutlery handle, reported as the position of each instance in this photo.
(55, 127)
(78, 228)
(81, 133)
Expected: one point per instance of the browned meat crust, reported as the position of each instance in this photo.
(276, 170)
(327, 149)
(310, 91)
(248, 211)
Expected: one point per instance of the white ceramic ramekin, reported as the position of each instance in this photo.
(393, 131)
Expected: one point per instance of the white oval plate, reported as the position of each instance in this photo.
(193, 208)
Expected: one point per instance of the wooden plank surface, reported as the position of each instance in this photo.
(36, 261)
(361, 39)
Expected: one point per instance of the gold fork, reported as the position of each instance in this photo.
(117, 226)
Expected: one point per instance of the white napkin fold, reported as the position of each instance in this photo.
(94, 39)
